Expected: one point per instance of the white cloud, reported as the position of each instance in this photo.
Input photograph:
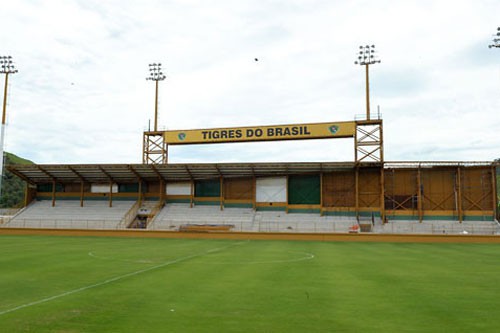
(81, 96)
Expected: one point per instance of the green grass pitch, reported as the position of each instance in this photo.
(98, 284)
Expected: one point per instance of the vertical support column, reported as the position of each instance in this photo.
(356, 142)
(191, 195)
(419, 194)
(367, 93)
(459, 203)
(110, 194)
(26, 193)
(356, 192)
(382, 193)
(286, 204)
(494, 191)
(381, 141)
(53, 193)
(254, 193)
(81, 193)
(321, 194)
(162, 189)
(156, 106)
(221, 198)
(139, 195)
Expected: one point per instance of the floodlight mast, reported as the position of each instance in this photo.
(496, 39)
(155, 74)
(366, 57)
(6, 67)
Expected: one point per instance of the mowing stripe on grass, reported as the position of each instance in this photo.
(117, 278)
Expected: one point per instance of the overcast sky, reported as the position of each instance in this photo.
(80, 95)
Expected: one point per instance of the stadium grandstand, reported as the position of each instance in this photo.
(400, 197)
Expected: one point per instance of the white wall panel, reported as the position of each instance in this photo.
(271, 189)
(103, 188)
(179, 188)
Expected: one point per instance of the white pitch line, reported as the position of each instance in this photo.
(120, 277)
(308, 256)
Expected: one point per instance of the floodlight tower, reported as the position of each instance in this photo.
(154, 147)
(366, 57)
(496, 39)
(155, 74)
(6, 67)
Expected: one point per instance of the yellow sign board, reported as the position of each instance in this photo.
(262, 133)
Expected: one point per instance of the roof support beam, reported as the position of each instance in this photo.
(155, 170)
(218, 170)
(106, 174)
(189, 172)
(20, 175)
(131, 168)
(47, 173)
(77, 174)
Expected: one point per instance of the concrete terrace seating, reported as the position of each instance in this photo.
(439, 227)
(172, 216)
(68, 214)
(176, 215)
(303, 223)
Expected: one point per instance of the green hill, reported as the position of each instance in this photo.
(12, 186)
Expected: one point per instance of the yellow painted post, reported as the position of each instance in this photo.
(356, 191)
(382, 193)
(254, 193)
(139, 195)
(5, 98)
(81, 194)
(321, 194)
(381, 139)
(459, 183)
(286, 205)
(367, 93)
(191, 196)
(53, 193)
(494, 191)
(419, 194)
(156, 106)
(221, 198)
(356, 142)
(165, 154)
(110, 194)
(26, 193)
(161, 191)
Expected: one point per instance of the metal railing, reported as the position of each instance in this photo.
(64, 224)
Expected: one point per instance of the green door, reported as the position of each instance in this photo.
(304, 190)
(207, 188)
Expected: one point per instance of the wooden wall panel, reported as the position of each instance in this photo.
(339, 189)
(369, 187)
(439, 191)
(477, 189)
(238, 188)
(400, 189)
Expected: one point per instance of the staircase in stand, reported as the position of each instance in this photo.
(145, 214)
